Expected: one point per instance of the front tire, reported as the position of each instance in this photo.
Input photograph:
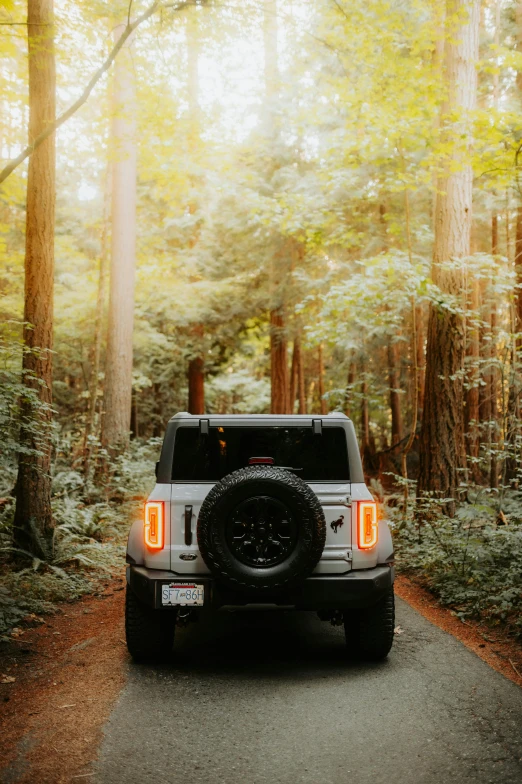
(149, 633)
(369, 632)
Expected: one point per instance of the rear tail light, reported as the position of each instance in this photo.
(367, 527)
(154, 527)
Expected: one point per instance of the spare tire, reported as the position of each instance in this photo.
(261, 529)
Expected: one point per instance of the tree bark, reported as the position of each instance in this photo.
(196, 385)
(278, 363)
(395, 401)
(196, 367)
(421, 359)
(278, 342)
(349, 388)
(493, 373)
(367, 452)
(118, 374)
(33, 521)
(442, 449)
(301, 391)
(294, 375)
(324, 404)
(518, 270)
(98, 326)
(472, 394)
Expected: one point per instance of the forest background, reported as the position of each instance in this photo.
(261, 206)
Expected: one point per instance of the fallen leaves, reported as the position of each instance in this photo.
(7, 679)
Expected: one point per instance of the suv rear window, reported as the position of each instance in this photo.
(208, 458)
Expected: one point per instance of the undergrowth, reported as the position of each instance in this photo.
(88, 546)
(472, 562)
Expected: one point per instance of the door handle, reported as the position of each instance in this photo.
(188, 525)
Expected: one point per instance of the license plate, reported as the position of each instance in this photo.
(182, 593)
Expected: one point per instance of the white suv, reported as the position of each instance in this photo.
(264, 511)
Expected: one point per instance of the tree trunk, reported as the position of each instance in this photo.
(118, 374)
(293, 375)
(365, 417)
(196, 367)
(278, 363)
(349, 389)
(442, 449)
(472, 393)
(33, 520)
(98, 327)
(395, 401)
(301, 391)
(278, 342)
(484, 349)
(493, 474)
(518, 272)
(196, 385)
(514, 461)
(324, 404)
(366, 439)
(421, 359)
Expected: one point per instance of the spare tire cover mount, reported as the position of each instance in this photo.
(261, 529)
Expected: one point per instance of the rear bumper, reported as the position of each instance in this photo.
(357, 589)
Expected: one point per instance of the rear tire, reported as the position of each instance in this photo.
(369, 632)
(149, 633)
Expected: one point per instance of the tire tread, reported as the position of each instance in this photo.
(149, 633)
(369, 632)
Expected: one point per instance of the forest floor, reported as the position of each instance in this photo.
(60, 677)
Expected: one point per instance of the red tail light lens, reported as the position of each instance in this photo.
(154, 525)
(367, 527)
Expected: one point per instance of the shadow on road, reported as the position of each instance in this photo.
(262, 644)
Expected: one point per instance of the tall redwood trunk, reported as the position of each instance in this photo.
(33, 516)
(395, 401)
(324, 404)
(118, 369)
(90, 425)
(515, 389)
(493, 374)
(421, 358)
(278, 363)
(518, 269)
(472, 393)
(442, 449)
(196, 367)
(278, 340)
(484, 350)
(349, 388)
(293, 376)
(366, 449)
(196, 386)
(301, 391)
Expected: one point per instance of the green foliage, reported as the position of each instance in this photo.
(88, 544)
(13, 391)
(472, 562)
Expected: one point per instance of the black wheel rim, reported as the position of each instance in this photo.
(261, 532)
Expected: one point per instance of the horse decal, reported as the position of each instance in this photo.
(336, 524)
